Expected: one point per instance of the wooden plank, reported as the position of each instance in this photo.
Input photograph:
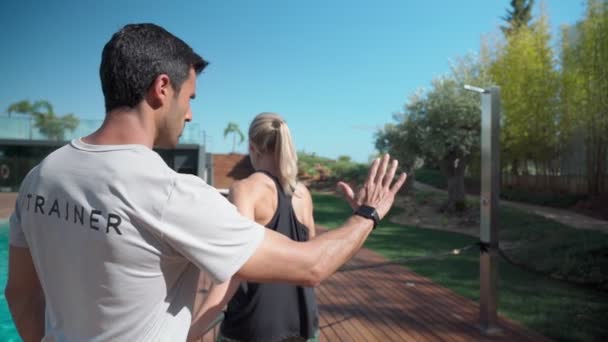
(404, 323)
(377, 316)
(342, 298)
(330, 318)
(335, 316)
(346, 319)
(417, 298)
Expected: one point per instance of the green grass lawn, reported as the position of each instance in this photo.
(554, 308)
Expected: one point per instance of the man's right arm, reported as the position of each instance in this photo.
(280, 259)
(24, 294)
(23, 291)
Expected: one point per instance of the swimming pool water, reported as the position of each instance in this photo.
(8, 332)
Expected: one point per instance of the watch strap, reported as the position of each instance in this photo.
(369, 213)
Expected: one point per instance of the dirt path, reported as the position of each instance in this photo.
(566, 217)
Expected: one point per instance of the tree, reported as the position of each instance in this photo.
(584, 95)
(45, 119)
(525, 71)
(519, 16)
(21, 107)
(234, 129)
(441, 126)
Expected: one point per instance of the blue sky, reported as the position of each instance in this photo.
(336, 70)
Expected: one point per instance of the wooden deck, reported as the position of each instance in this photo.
(370, 299)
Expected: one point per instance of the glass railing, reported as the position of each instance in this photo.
(23, 127)
(192, 134)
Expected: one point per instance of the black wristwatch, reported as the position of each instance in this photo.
(368, 212)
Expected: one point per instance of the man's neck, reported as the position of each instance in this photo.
(124, 126)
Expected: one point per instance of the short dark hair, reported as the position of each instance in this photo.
(136, 55)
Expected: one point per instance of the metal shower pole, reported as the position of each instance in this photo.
(490, 187)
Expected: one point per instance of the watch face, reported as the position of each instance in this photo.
(367, 211)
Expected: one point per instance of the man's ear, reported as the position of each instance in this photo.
(159, 91)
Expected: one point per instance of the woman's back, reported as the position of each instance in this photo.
(272, 312)
(261, 189)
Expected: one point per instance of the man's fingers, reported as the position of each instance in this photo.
(388, 179)
(348, 193)
(372, 171)
(382, 169)
(399, 183)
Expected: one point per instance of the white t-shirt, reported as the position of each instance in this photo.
(117, 238)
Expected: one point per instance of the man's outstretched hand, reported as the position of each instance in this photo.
(377, 191)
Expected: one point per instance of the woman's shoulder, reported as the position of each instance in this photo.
(302, 199)
(256, 183)
(302, 191)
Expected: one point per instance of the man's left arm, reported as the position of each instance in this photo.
(24, 294)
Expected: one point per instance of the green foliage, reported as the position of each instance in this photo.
(308, 164)
(349, 172)
(434, 178)
(584, 82)
(233, 128)
(555, 249)
(525, 71)
(444, 121)
(518, 16)
(441, 126)
(441, 122)
(21, 107)
(431, 177)
(544, 105)
(343, 168)
(45, 119)
(343, 159)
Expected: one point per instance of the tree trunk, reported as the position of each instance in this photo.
(453, 169)
(592, 166)
(525, 169)
(515, 167)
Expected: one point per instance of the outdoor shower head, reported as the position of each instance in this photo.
(476, 89)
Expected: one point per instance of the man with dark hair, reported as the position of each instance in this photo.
(135, 56)
(106, 241)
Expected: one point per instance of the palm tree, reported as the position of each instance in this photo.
(234, 129)
(45, 119)
(21, 107)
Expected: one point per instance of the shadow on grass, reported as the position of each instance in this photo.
(580, 256)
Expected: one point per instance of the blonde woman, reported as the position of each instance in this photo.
(272, 197)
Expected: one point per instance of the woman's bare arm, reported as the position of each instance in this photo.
(219, 295)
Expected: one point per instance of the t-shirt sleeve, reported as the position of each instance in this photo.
(17, 237)
(199, 223)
